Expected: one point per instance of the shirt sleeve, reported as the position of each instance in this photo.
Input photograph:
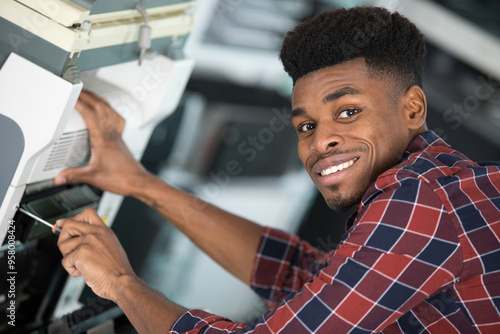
(402, 248)
(283, 265)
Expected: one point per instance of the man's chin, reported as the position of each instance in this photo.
(339, 207)
(341, 203)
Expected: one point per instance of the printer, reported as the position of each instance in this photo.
(131, 53)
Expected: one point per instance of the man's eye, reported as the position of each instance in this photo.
(306, 127)
(348, 113)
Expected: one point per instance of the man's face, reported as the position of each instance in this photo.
(351, 129)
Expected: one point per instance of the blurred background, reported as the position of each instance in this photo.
(231, 144)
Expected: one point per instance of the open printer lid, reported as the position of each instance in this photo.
(90, 34)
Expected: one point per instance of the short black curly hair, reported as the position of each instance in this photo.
(388, 42)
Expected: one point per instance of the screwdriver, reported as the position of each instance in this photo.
(55, 229)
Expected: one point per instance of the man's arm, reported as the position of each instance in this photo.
(230, 240)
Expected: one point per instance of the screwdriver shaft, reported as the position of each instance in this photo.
(54, 228)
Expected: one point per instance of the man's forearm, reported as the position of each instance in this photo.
(230, 240)
(147, 309)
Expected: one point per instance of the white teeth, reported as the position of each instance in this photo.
(340, 167)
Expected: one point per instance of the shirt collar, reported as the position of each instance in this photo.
(423, 142)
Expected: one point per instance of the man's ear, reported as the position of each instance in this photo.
(415, 108)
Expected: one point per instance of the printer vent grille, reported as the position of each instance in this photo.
(71, 150)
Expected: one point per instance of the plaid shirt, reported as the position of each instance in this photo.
(421, 255)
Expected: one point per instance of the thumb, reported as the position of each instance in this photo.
(73, 175)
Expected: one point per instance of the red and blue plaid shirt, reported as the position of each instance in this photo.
(421, 255)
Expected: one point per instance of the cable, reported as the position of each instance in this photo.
(144, 41)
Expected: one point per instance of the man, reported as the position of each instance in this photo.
(422, 252)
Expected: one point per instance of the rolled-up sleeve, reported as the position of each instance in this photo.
(283, 265)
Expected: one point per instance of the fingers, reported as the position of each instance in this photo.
(101, 110)
(87, 113)
(69, 264)
(86, 222)
(89, 216)
(72, 229)
(74, 251)
(78, 232)
(90, 98)
(68, 245)
(73, 175)
(97, 113)
(120, 122)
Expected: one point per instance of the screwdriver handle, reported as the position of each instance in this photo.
(56, 229)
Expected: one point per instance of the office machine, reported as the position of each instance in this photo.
(129, 52)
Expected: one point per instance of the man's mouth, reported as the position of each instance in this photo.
(338, 168)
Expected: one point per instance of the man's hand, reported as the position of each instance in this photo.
(92, 250)
(111, 167)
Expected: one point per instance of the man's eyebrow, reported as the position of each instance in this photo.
(297, 112)
(339, 93)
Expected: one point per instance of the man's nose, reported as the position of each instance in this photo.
(326, 139)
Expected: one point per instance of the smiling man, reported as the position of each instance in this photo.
(420, 255)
